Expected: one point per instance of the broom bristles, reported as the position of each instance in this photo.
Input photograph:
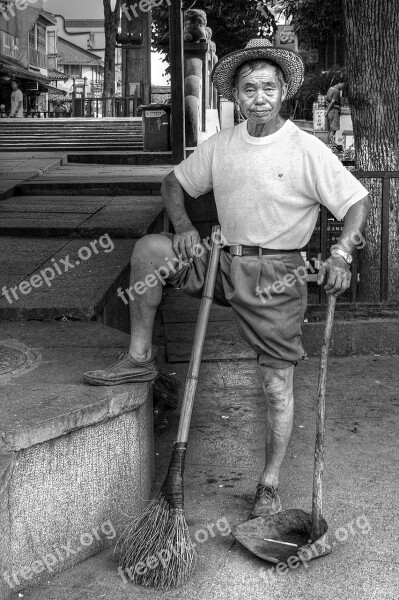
(156, 549)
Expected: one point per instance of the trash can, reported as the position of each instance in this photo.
(156, 127)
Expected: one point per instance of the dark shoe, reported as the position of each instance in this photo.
(266, 502)
(125, 370)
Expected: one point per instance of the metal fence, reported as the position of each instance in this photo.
(105, 107)
(350, 300)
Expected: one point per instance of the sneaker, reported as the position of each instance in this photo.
(125, 370)
(266, 502)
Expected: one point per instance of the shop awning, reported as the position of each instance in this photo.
(13, 68)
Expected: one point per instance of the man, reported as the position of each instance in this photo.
(334, 109)
(269, 179)
(17, 101)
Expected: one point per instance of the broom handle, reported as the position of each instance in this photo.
(199, 339)
(320, 423)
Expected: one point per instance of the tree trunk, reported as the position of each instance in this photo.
(372, 45)
(111, 24)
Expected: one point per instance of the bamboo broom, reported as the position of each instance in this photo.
(156, 548)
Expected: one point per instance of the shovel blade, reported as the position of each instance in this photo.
(286, 534)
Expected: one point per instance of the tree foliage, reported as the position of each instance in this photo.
(314, 20)
(232, 25)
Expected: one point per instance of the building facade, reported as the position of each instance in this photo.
(28, 42)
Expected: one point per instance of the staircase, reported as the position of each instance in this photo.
(74, 459)
(71, 134)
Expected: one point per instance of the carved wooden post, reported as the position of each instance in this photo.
(199, 52)
(177, 78)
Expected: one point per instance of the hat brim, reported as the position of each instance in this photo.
(289, 61)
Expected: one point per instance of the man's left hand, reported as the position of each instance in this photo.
(336, 272)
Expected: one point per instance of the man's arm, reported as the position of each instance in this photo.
(186, 235)
(336, 269)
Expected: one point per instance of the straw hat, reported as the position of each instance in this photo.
(290, 63)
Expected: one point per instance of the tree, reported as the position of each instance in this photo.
(372, 44)
(368, 30)
(111, 24)
(232, 26)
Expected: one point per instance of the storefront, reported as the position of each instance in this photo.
(35, 87)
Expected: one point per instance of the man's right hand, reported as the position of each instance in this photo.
(184, 241)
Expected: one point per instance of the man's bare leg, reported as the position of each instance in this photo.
(148, 255)
(278, 388)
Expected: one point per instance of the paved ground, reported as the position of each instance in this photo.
(224, 459)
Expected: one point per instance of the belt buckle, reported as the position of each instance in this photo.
(236, 250)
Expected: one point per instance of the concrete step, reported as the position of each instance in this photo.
(56, 278)
(74, 460)
(93, 186)
(121, 158)
(80, 216)
(71, 145)
(81, 135)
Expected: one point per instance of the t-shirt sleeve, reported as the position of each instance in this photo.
(336, 187)
(19, 97)
(195, 173)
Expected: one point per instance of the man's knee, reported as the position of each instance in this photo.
(278, 385)
(153, 249)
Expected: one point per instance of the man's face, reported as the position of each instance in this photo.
(14, 86)
(260, 94)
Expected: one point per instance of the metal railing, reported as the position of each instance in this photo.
(105, 107)
(326, 222)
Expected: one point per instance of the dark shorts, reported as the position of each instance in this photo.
(268, 296)
(333, 119)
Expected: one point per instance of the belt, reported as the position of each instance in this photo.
(237, 250)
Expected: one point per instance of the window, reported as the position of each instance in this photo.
(32, 37)
(41, 38)
(8, 44)
(51, 42)
(73, 70)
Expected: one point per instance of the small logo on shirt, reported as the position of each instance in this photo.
(281, 175)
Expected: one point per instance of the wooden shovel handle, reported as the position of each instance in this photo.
(320, 423)
(199, 338)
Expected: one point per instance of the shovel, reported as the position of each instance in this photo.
(295, 534)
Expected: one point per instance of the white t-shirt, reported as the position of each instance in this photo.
(16, 98)
(268, 189)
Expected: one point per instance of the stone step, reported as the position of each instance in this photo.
(108, 135)
(80, 216)
(56, 278)
(93, 185)
(74, 459)
(71, 145)
(76, 127)
(121, 158)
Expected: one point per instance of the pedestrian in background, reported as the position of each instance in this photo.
(17, 101)
(334, 109)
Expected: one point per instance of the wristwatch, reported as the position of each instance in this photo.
(337, 251)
